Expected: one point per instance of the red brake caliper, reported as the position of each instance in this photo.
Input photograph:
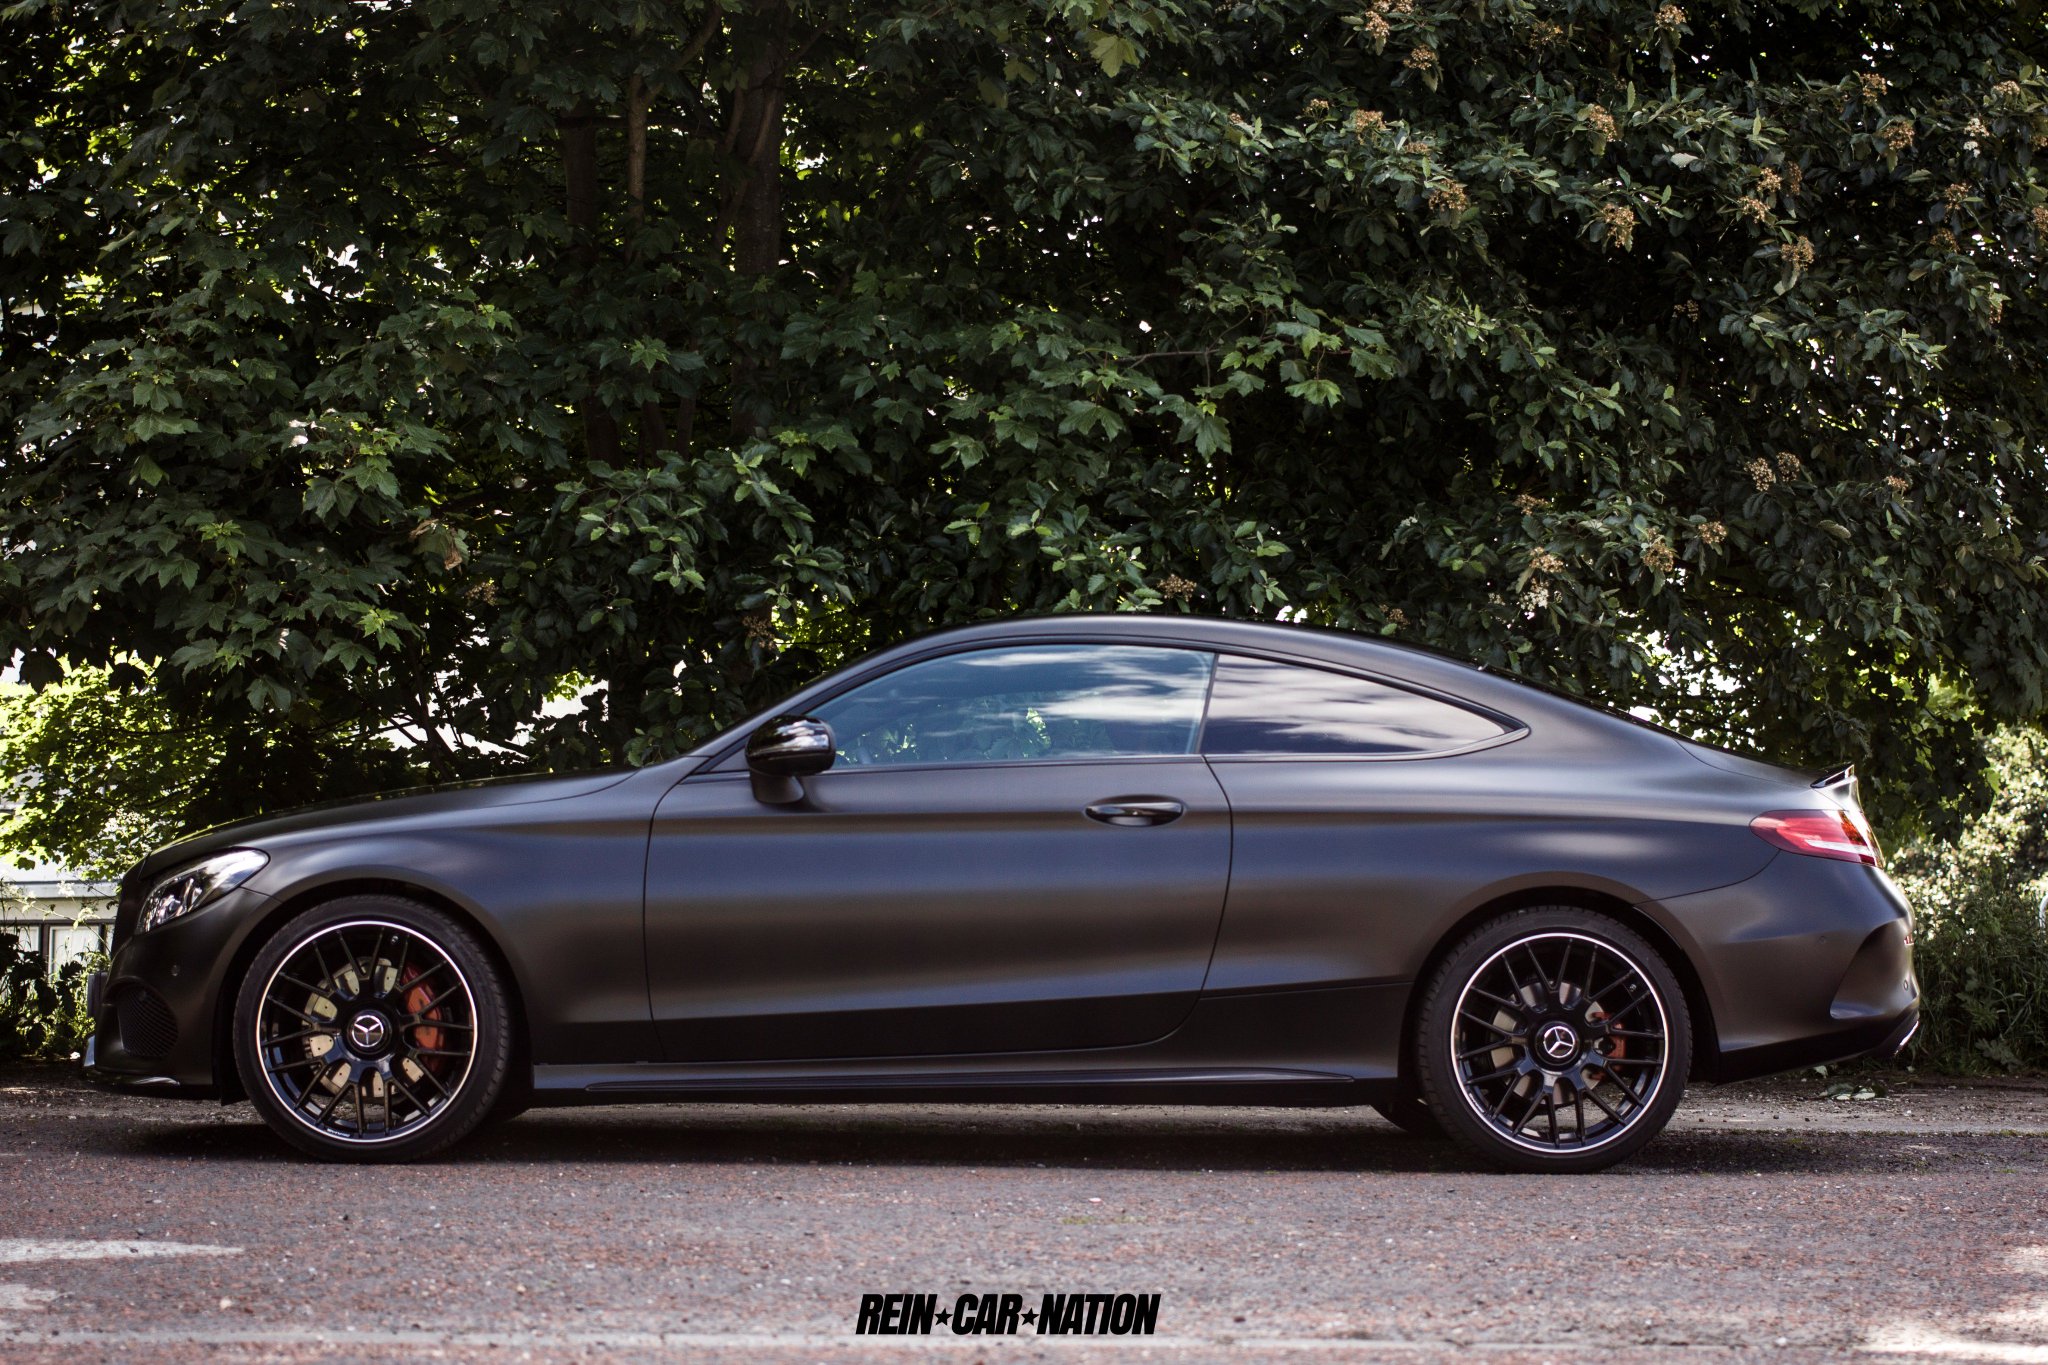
(417, 998)
(1620, 1045)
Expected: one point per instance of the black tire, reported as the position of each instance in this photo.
(516, 1099)
(1407, 1112)
(1546, 1006)
(350, 1031)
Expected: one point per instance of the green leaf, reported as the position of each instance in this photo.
(1112, 51)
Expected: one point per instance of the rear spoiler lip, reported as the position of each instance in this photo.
(1844, 776)
(1842, 788)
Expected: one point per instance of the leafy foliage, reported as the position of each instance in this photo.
(101, 774)
(372, 366)
(1982, 951)
(42, 1016)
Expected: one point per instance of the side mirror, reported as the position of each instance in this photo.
(784, 751)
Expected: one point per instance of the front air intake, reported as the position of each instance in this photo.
(148, 1029)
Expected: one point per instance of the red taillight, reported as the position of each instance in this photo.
(1817, 833)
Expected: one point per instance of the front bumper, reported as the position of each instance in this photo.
(1808, 962)
(157, 1010)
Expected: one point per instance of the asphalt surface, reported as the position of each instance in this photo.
(1767, 1223)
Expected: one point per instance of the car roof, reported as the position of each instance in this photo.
(1214, 632)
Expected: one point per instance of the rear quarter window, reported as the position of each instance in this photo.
(1262, 707)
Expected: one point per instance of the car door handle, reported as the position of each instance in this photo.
(1136, 812)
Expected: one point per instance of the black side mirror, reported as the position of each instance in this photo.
(784, 751)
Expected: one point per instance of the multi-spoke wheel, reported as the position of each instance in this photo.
(372, 1028)
(1553, 1039)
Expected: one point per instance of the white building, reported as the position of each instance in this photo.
(58, 916)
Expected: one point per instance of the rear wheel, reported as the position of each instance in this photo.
(1553, 1039)
(373, 1028)
(1407, 1112)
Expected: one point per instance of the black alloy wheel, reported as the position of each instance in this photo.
(373, 1029)
(1554, 1039)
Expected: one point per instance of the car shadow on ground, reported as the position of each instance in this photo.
(1081, 1139)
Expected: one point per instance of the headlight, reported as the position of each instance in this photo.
(191, 887)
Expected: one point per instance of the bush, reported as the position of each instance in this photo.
(1982, 948)
(41, 1017)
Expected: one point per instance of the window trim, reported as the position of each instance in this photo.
(873, 769)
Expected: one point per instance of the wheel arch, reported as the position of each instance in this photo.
(276, 916)
(1706, 1048)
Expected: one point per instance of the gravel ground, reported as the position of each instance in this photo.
(1766, 1223)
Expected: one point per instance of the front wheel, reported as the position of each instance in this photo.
(373, 1028)
(1553, 1039)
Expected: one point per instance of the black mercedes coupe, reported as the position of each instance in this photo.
(1084, 859)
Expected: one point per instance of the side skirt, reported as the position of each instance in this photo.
(1318, 1046)
(658, 1082)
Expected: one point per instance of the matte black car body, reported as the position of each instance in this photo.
(965, 933)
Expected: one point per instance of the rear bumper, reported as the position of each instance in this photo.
(1808, 962)
(1880, 1040)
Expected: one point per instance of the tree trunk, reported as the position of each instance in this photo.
(753, 189)
(579, 174)
(652, 433)
(636, 154)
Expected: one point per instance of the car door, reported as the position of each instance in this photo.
(1018, 848)
(1361, 813)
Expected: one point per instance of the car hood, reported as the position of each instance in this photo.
(477, 794)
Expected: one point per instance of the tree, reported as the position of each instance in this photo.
(1980, 943)
(100, 772)
(389, 366)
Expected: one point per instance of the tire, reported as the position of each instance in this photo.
(1407, 1112)
(350, 1031)
(513, 1101)
(1544, 1008)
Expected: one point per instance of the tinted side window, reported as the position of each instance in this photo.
(1025, 703)
(1260, 707)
